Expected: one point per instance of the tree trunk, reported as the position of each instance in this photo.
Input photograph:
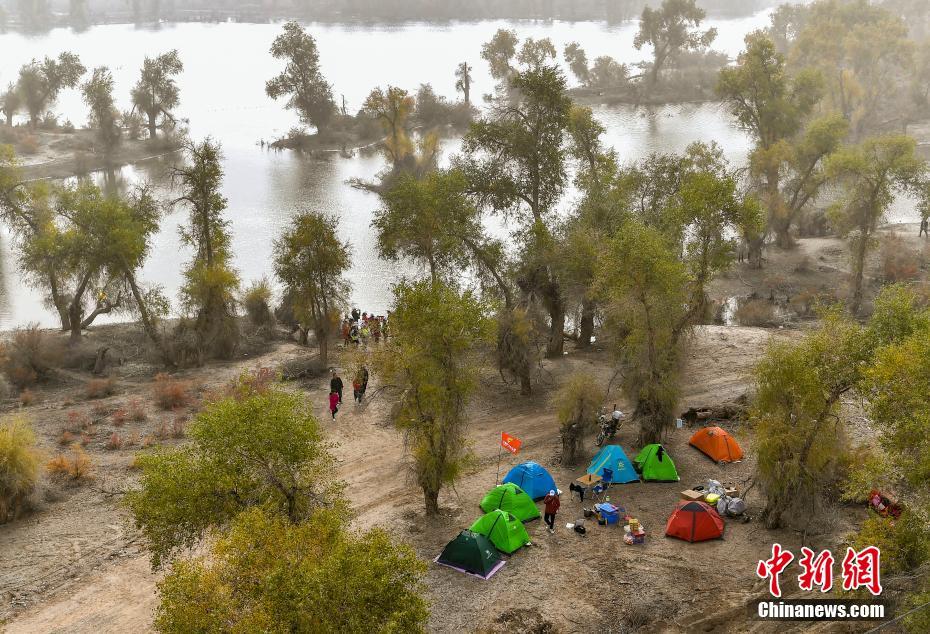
(783, 237)
(556, 344)
(586, 328)
(153, 127)
(431, 499)
(100, 361)
(570, 442)
(526, 386)
(858, 274)
(148, 323)
(74, 318)
(9, 119)
(323, 343)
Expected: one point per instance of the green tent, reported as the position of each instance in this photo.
(511, 498)
(655, 465)
(472, 553)
(504, 530)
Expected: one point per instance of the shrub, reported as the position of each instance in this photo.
(74, 466)
(905, 542)
(118, 417)
(576, 405)
(257, 303)
(115, 441)
(302, 368)
(86, 438)
(178, 426)
(66, 438)
(29, 356)
(756, 312)
(19, 466)
(78, 421)
(29, 144)
(147, 441)
(5, 390)
(171, 393)
(899, 263)
(136, 410)
(98, 388)
(100, 410)
(27, 397)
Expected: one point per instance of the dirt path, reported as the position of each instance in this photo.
(578, 584)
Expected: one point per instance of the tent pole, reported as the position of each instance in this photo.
(500, 447)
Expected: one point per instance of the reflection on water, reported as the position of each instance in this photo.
(222, 95)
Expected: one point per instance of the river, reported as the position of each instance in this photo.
(222, 95)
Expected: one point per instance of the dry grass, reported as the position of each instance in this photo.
(78, 421)
(147, 441)
(29, 356)
(171, 393)
(179, 427)
(27, 397)
(99, 388)
(899, 263)
(135, 409)
(66, 438)
(74, 466)
(118, 417)
(756, 312)
(115, 441)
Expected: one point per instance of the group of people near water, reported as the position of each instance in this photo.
(360, 328)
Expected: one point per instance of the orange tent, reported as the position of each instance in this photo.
(717, 443)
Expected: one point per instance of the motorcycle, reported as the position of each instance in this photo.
(607, 425)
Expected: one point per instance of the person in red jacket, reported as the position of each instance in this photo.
(334, 403)
(552, 507)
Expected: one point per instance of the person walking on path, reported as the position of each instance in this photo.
(552, 503)
(364, 382)
(357, 387)
(333, 404)
(335, 385)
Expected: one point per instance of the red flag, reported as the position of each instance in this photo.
(510, 443)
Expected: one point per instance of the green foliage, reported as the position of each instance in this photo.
(104, 117)
(301, 82)
(800, 437)
(499, 53)
(156, 93)
(645, 287)
(904, 542)
(430, 221)
(871, 173)
(10, 103)
(310, 261)
(577, 61)
(210, 282)
(435, 334)
(271, 576)
(576, 404)
(672, 29)
(19, 465)
(40, 83)
(392, 108)
(254, 449)
(257, 302)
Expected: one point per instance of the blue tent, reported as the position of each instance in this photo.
(532, 478)
(612, 457)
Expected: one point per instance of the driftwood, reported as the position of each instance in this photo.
(732, 411)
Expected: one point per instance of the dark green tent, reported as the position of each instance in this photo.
(472, 553)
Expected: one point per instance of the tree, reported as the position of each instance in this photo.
(499, 52)
(671, 29)
(104, 117)
(800, 436)
(256, 448)
(41, 82)
(269, 575)
(392, 109)
(10, 103)
(871, 173)
(430, 221)
(310, 261)
(301, 81)
(463, 80)
(773, 107)
(535, 54)
(607, 73)
(515, 161)
(435, 333)
(210, 282)
(577, 62)
(156, 93)
(576, 404)
(93, 243)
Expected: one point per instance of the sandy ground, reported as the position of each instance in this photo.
(77, 565)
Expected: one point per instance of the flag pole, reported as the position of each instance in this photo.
(500, 448)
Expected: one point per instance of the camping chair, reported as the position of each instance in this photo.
(602, 487)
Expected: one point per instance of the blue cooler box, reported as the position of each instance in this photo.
(609, 512)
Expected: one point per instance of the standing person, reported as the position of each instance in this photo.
(364, 382)
(552, 503)
(353, 333)
(357, 387)
(355, 314)
(365, 333)
(345, 333)
(335, 385)
(333, 404)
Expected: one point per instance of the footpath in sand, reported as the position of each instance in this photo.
(577, 584)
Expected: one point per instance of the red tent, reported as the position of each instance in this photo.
(694, 522)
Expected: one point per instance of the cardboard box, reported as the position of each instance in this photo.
(692, 495)
(732, 491)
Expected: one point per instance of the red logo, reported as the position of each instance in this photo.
(510, 443)
(772, 568)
